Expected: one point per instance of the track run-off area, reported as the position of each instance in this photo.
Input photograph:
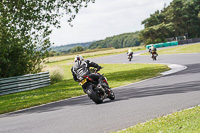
(175, 90)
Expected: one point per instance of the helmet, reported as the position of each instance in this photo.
(78, 58)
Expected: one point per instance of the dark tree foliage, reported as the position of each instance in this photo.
(25, 29)
(181, 17)
(76, 49)
(118, 41)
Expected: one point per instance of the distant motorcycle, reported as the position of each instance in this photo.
(130, 56)
(97, 92)
(154, 55)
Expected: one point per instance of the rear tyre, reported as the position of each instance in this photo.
(94, 96)
(153, 57)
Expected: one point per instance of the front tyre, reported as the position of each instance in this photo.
(112, 95)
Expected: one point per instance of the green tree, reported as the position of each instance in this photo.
(179, 18)
(176, 14)
(77, 49)
(154, 19)
(25, 29)
(157, 33)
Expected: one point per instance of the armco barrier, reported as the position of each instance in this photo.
(174, 43)
(23, 83)
(159, 45)
(148, 46)
(166, 44)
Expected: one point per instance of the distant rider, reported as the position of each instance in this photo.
(81, 68)
(130, 52)
(153, 50)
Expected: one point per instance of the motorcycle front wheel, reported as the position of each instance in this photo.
(112, 95)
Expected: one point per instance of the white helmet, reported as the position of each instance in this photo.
(78, 58)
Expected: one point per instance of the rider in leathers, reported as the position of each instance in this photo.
(151, 49)
(130, 52)
(81, 68)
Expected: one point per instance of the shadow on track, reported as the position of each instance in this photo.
(121, 94)
(128, 93)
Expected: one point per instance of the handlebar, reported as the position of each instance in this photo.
(94, 70)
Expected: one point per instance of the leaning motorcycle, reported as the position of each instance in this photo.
(97, 92)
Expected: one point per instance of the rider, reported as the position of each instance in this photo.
(81, 68)
(130, 52)
(153, 49)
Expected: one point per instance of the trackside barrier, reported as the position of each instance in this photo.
(23, 83)
(148, 46)
(174, 43)
(166, 44)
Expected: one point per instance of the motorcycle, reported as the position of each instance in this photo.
(154, 55)
(97, 92)
(130, 56)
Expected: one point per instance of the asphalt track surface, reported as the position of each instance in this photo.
(135, 103)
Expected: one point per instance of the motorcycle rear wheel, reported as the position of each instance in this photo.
(154, 57)
(94, 96)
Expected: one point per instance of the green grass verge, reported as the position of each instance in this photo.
(192, 48)
(117, 75)
(186, 121)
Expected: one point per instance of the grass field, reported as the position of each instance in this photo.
(192, 48)
(186, 121)
(117, 75)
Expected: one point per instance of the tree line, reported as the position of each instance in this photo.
(118, 41)
(75, 49)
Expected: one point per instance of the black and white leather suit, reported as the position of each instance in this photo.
(81, 68)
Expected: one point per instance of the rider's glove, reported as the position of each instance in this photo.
(98, 68)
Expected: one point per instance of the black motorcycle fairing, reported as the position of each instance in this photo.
(96, 87)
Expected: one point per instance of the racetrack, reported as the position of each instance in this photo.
(134, 103)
